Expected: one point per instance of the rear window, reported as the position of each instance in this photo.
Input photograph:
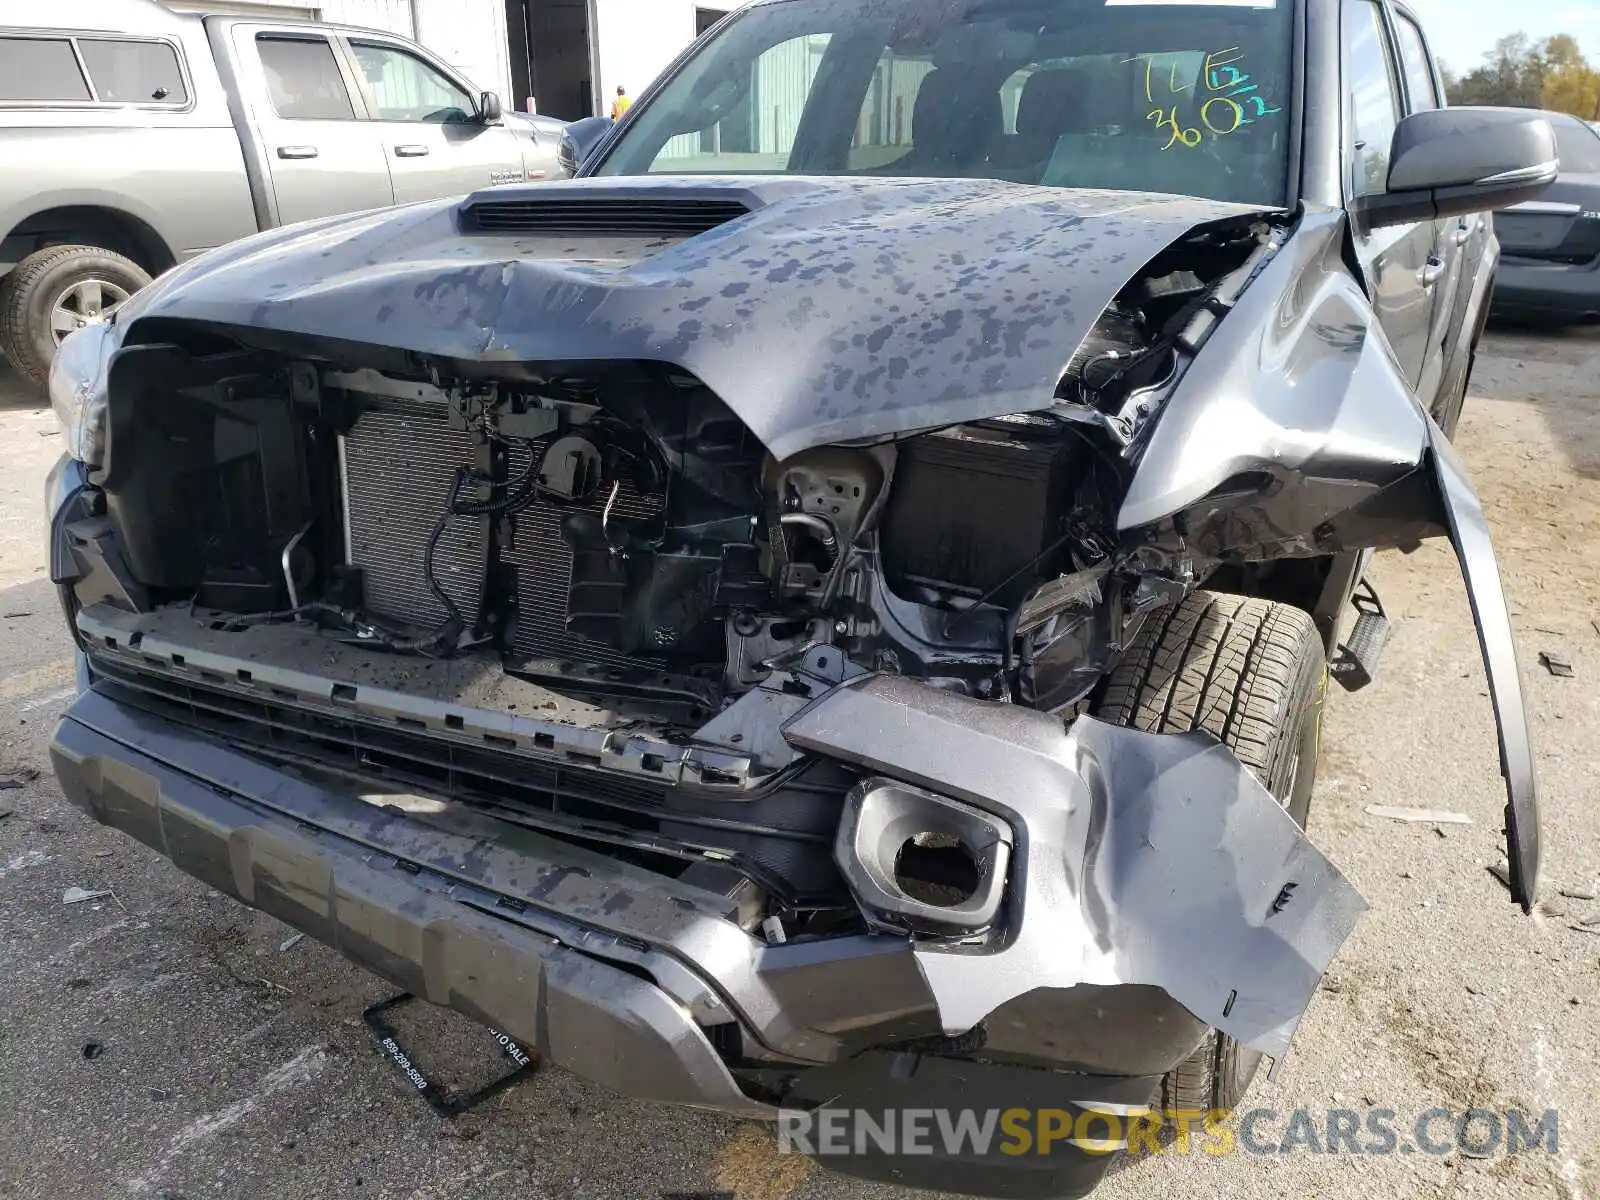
(1579, 146)
(41, 70)
(304, 80)
(126, 72)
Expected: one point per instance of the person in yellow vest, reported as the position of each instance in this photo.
(621, 105)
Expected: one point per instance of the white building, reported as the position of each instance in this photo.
(570, 55)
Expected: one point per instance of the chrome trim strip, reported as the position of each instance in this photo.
(1533, 174)
(1545, 208)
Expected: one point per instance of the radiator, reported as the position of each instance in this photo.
(544, 574)
(398, 467)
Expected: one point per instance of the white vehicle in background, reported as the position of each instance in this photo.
(133, 138)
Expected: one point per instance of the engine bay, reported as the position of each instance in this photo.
(626, 539)
(587, 597)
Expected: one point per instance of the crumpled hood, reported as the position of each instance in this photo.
(832, 310)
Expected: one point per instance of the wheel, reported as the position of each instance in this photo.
(1253, 674)
(55, 291)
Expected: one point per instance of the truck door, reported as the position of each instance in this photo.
(1451, 235)
(322, 157)
(1401, 265)
(428, 121)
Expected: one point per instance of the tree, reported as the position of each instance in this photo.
(1570, 84)
(1519, 73)
(1512, 75)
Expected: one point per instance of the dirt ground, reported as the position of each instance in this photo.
(232, 1066)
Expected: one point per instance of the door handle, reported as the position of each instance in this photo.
(297, 151)
(410, 151)
(1462, 234)
(1432, 273)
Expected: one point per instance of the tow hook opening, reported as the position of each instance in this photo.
(918, 862)
(938, 869)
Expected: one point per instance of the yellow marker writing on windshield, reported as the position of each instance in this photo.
(1168, 119)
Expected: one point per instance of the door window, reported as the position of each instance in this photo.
(41, 70)
(304, 80)
(404, 88)
(128, 72)
(1374, 97)
(1418, 65)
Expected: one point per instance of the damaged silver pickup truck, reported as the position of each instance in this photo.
(827, 609)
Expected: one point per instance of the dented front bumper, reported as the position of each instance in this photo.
(1140, 859)
(1155, 889)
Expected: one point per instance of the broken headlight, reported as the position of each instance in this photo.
(78, 389)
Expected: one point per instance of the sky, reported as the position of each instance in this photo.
(1462, 30)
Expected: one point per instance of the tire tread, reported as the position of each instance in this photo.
(1238, 668)
(16, 339)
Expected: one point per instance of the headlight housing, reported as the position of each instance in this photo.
(78, 391)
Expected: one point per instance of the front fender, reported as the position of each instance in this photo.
(1295, 434)
(1469, 534)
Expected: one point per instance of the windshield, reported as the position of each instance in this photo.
(1189, 98)
(1579, 147)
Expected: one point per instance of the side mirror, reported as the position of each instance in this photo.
(579, 140)
(1452, 161)
(490, 111)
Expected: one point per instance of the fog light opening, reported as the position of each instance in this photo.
(938, 869)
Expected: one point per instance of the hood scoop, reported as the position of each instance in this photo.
(599, 216)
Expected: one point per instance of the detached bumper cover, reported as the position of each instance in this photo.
(1141, 859)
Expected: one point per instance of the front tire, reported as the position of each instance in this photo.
(1253, 674)
(54, 291)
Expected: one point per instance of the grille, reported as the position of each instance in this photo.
(783, 840)
(603, 218)
(543, 563)
(370, 749)
(398, 470)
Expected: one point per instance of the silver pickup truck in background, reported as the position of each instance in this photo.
(133, 138)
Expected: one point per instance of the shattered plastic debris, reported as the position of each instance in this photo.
(290, 942)
(1555, 664)
(77, 895)
(1420, 816)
